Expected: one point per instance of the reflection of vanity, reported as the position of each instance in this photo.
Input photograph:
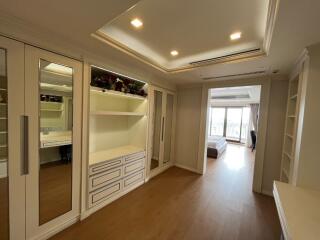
(55, 139)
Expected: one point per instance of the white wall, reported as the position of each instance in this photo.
(188, 126)
(188, 130)
(275, 133)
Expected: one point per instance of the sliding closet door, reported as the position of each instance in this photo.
(12, 147)
(53, 105)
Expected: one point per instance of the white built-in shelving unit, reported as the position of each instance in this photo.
(117, 129)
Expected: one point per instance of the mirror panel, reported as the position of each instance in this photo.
(55, 148)
(168, 128)
(157, 127)
(4, 179)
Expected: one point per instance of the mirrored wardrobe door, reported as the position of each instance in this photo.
(168, 128)
(54, 105)
(157, 126)
(12, 168)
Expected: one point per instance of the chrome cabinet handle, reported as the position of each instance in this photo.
(24, 145)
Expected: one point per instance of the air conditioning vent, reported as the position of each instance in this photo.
(235, 75)
(233, 56)
(231, 97)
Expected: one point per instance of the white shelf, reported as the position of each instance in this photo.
(294, 97)
(3, 132)
(3, 89)
(101, 156)
(3, 146)
(291, 116)
(96, 90)
(3, 160)
(3, 118)
(116, 113)
(285, 171)
(50, 110)
(289, 136)
(53, 103)
(288, 155)
(3, 104)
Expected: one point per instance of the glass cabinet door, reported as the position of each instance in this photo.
(157, 125)
(168, 128)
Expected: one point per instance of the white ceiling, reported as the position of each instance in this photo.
(235, 95)
(73, 22)
(198, 30)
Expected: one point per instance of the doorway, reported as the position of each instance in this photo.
(233, 116)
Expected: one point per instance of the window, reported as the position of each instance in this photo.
(230, 122)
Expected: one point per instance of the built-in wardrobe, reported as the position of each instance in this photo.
(162, 126)
(73, 138)
(40, 148)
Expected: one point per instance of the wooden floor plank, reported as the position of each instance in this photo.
(182, 205)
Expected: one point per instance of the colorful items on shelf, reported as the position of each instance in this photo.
(111, 81)
(51, 98)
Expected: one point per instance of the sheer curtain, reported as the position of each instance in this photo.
(254, 115)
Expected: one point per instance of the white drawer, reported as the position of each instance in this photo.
(133, 179)
(134, 156)
(104, 178)
(133, 166)
(104, 193)
(104, 166)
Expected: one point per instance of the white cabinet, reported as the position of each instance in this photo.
(116, 125)
(161, 134)
(41, 144)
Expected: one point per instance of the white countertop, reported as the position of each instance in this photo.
(299, 211)
(55, 139)
(101, 156)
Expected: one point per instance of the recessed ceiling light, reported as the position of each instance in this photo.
(137, 23)
(174, 52)
(235, 36)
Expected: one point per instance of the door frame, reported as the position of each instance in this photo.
(33, 230)
(162, 166)
(16, 109)
(265, 83)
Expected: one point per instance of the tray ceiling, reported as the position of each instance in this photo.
(198, 30)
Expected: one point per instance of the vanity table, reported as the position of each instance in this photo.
(299, 211)
(55, 139)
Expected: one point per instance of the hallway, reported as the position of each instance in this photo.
(182, 205)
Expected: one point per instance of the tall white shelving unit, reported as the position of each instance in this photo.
(117, 128)
(290, 148)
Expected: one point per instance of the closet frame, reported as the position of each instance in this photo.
(162, 166)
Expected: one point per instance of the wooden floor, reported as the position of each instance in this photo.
(55, 190)
(182, 205)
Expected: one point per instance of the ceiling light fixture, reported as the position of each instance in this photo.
(174, 52)
(137, 23)
(235, 36)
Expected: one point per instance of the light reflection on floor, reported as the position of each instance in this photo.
(234, 157)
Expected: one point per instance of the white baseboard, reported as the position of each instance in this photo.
(56, 229)
(187, 168)
(267, 192)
